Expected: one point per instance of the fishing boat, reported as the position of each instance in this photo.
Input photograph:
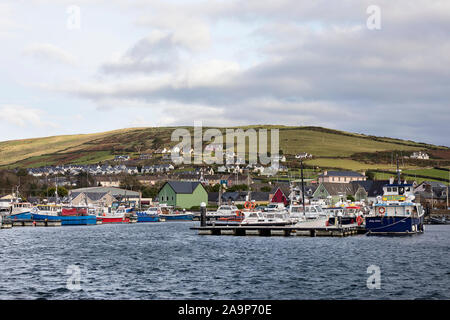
(120, 215)
(17, 209)
(149, 215)
(349, 214)
(396, 213)
(67, 216)
(170, 214)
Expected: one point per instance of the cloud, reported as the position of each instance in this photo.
(23, 117)
(287, 62)
(50, 53)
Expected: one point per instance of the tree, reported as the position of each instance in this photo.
(351, 198)
(266, 189)
(62, 192)
(215, 188)
(238, 187)
(370, 175)
(150, 192)
(130, 182)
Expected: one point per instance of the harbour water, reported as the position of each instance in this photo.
(170, 261)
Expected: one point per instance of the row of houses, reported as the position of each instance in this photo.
(429, 193)
(97, 170)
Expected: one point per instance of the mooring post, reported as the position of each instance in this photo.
(203, 214)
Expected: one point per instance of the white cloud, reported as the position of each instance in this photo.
(50, 53)
(23, 117)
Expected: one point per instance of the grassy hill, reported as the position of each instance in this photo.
(331, 148)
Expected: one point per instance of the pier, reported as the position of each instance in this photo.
(7, 224)
(280, 231)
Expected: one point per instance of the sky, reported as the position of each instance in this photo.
(70, 67)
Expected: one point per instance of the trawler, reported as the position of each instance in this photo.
(395, 213)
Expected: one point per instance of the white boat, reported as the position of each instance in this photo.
(311, 212)
(275, 207)
(224, 211)
(259, 218)
(17, 209)
(47, 210)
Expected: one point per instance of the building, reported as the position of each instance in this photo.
(341, 177)
(334, 192)
(420, 156)
(145, 156)
(92, 198)
(121, 158)
(107, 181)
(182, 194)
(278, 195)
(432, 194)
(117, 193)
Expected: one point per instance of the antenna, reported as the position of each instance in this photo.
(398, 172)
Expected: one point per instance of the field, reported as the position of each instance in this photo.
(330, 148)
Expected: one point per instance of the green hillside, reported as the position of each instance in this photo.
(331, 148)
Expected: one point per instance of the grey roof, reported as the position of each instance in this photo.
(115, 192)
(341, 174)
(260, 196)
(185, 187)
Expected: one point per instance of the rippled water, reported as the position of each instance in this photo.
(170, 261)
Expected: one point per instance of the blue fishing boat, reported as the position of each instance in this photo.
(17, 210)
(170, 214)
(396, 213)
(149, 215)
(53, 212)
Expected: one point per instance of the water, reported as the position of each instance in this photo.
(169, 261)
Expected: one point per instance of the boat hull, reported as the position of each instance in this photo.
(67, 220)
(394, 225)
(106, 220)
(21, 216)
(177, 217)
(143, 217)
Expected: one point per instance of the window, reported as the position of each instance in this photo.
(389, 189)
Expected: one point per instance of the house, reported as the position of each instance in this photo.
(420, 156)
(121, 158)
(334, 192)
(341, 176)
(107, 182)
(432, 194)
(182, 194)
(277, 195)
(92, 198)
(240, 197)
(117, 193)
(145, 156)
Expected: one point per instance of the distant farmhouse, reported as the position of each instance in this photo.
(122, 158)
(341, 177)
(420, 156)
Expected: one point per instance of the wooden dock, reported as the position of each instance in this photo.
(7, 224)
(281, 231)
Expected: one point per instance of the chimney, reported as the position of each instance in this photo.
(325, 173)
(391, 180)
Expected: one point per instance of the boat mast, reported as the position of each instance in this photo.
(303, 182)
